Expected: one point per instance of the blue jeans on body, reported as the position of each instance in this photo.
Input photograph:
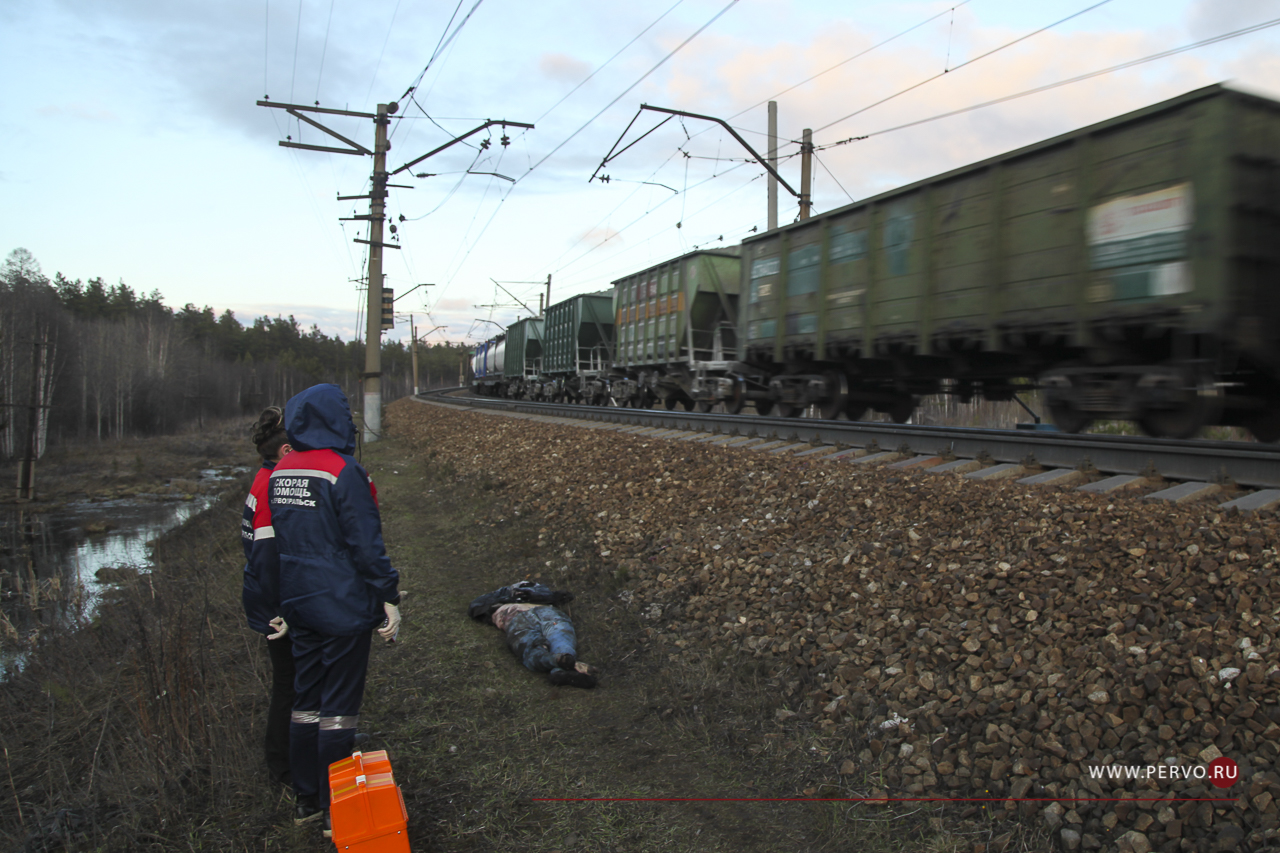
(539, 635)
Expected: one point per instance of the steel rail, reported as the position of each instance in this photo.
(1252, 465)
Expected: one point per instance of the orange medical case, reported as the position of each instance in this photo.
(366, 807)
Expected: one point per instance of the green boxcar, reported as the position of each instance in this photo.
(1135, 263)
(679, 311)
(524, 353)
(579, 335)
(676, 325)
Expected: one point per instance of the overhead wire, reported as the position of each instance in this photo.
(296, 36)
(626, 91)
(603, 219)
(450, 42)
(266, 41)
(633, 222)
(814, 154)
(551, 153)
(977, 58)
(378, 65)
(601, 67)
(1079, 78)
(451, 192)
(324, 50)
(857, 55)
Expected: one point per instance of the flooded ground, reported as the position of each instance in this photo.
(55, 565)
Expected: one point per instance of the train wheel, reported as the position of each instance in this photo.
(835, 404)
(855, 410)
(1265, 425)
(764, 408)
(1068, 418)
(736, 405)
(901, 410)
(702, 407)
(1202, 407)
(670, 403)
(787, 410)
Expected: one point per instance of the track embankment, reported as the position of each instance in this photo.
(916, 635)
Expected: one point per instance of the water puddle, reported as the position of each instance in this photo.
(55, 566)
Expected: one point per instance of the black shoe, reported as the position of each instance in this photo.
(328, 825)
(361, 739)
(571, 678)
(307, 810)
(565, 661)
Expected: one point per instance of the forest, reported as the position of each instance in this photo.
(91, 361)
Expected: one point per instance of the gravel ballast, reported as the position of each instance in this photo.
(1032, 645)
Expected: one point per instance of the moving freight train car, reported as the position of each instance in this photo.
(678, 331)
(486, 367)
(522, 362)
(1133, 266)
(578, 356)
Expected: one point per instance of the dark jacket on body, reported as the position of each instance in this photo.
(334, 571)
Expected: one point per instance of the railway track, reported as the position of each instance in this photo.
(1242, 476)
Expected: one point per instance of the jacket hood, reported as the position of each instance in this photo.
(319, 418)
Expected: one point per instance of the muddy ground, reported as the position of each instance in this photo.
(161, 467)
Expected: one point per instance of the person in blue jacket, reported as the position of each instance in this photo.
(261, 594)
(336, 585)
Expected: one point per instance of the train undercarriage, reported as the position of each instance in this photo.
(1171, 387)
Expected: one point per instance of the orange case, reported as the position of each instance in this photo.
(366, 807)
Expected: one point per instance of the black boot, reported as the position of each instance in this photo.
(307, 810)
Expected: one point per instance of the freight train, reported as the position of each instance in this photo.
(1129, 269)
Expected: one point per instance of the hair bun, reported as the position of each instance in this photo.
(270, 424)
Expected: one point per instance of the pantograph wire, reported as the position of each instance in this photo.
(1079, 78)
(977, 58)
(624, 93)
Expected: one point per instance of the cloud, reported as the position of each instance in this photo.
(1207, 18)
(81, 111)
(596, 236)
(562, 67)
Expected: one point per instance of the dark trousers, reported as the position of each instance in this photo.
(278, 714)
(329, 685)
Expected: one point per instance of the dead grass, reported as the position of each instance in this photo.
(143, 732)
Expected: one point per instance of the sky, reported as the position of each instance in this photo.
(134, 151)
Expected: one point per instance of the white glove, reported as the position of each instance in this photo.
(391, 626)
(281, 627)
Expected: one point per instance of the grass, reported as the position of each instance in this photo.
(143, 731)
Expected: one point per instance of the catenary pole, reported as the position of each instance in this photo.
(372, 375)
(806, 173)
(413, 347)
(773, 163)
(373, 310)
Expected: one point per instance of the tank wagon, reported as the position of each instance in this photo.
(486, 367)
(578, 356)
(1130, 269)
(1133, 266)
(677, 328)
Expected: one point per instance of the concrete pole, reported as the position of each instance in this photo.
(373, 311)
(773, 162)
(413, 347)
(806, 173)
